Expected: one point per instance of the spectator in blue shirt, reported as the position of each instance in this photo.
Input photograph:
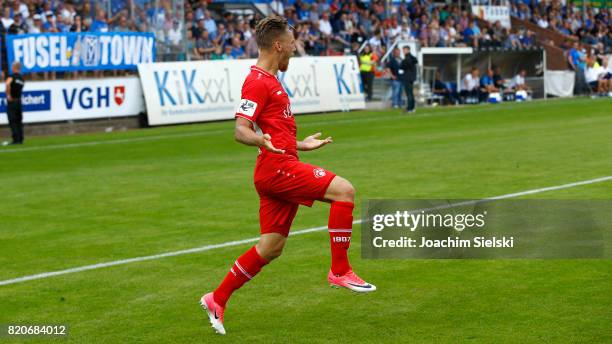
(210, 25)
(527, 39)
(49, 24)
(303, 12)
(487, 84)
(576, 58)
(237, 50)
(227, 55)
(100, 24)
(468, 36)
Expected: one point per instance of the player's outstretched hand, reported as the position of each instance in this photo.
(267, 144)
(313, 142)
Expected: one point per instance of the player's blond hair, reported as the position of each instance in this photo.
(269, 29)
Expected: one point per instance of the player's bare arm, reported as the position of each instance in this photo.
(245, 134)
(313, 142)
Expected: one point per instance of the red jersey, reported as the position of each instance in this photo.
(265, 103)
(281, 180)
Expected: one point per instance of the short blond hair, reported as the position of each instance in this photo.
(269, 29)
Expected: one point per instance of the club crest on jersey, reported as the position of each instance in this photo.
(247, 107)
(287, 112)
(319, 172)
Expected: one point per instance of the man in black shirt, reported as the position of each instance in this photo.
(14, 88)
(397, 78)
(409, 66)
(440, 89)
(497, 78)
(18, 27)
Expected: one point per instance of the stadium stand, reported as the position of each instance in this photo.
(207, 30)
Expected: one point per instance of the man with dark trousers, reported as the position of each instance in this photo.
(409, 66)
(14, 88)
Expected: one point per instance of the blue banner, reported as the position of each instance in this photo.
(80, 51)
(30, 100)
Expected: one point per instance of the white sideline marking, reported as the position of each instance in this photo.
(250, 240)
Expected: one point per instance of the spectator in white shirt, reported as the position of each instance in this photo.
(22, 8)
(405, 33)
(542, 22)
(278, 7)
(175, 34)
(325, 26)
(394, 32)
(518, 82)
(35, 24)
(314, 13)
(605, 79)
(471, 83)
(376, 41)
(7, 21)
(471, 80)
(592, 75)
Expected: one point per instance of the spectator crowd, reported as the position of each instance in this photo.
(590, 27)
(191, 30)
(323, 27)
(587, 36)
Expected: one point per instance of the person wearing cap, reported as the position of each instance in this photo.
(35, 24)
(175, 34)
(49, 24)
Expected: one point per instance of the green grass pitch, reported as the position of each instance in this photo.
(77, 200)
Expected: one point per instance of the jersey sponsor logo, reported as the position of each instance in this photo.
(247, 107)
(319, 172)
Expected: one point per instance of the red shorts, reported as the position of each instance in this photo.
(284, 184)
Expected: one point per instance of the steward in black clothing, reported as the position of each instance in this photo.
(14, 89)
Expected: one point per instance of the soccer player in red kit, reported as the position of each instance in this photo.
(282, 181)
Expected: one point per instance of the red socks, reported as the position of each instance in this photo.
(340, 230)
(244, 269)
(250, 263)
